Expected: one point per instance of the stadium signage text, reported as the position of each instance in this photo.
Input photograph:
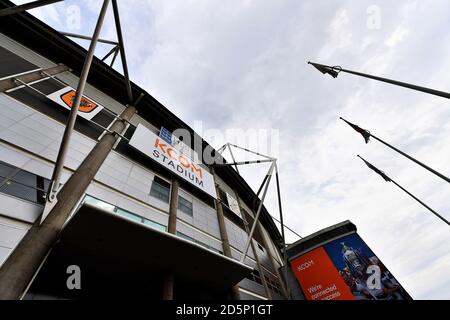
(166, 155)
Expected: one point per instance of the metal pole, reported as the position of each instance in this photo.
(422, 203)
(282, 230)
(388, 179)
(235, 295)
(222, 148)
(80, 36)
(114, 57)
(252, 230)
(255, 253)
(287, 227)
(17, 81)
(412, 159)
(20, 267)
(257, 153)
(76, 104)
(26, 6)
(367, 132)
(243, 162)
(262, 185)
(113, 50)
(122, 50)
(394, 82)
(232, 158)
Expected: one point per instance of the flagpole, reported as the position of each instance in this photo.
(389, 179)
(421, 202)
(335, 70)
(366, 133)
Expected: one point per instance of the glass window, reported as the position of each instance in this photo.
(128, 215)
(22, 184)
(185, 236)
(99, 203)
(124, 213)
(11, 63)
(6, 170)
(155, 225)
(223, 197)
(19, 190)
(185, 206)
(160, 189)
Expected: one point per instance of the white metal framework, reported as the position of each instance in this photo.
(264, 185)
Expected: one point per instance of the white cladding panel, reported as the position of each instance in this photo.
(11, 232)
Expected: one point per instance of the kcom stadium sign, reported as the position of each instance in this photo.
(166, 155)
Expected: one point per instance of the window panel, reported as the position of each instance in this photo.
(22, 184)
(155, 225)
(6, 170)
(124, 213)
(11, 63)
(20, 191)
(25, 178)
(128, 215)
(184, 236)
(185, 206)
(160, 189)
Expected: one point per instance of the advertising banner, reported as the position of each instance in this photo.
(345, 269)
(65, 96)
(168, 156)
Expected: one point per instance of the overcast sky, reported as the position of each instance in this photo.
(243, 65)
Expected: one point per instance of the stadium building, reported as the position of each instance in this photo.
(151, 223)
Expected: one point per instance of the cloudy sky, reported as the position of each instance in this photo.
(242, 65)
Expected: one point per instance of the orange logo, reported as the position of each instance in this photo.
(173, 154)
(86, 105)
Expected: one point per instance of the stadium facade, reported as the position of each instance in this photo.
(142, 228)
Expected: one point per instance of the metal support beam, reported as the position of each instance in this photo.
(20, 267)
(26, 6)
(116, 53)
(255, 252)
(222, 148)
(257, 153)
(16, 81)
(232, 158)
(172, 224)
(242, 163)
(282, 230)
(235, 295)
(287, 227)
(258, 212)
(139, 99)
(267, 245)
(80, 36)
(122, 50)
(113, 50)
(54, 186)
(262, 185)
